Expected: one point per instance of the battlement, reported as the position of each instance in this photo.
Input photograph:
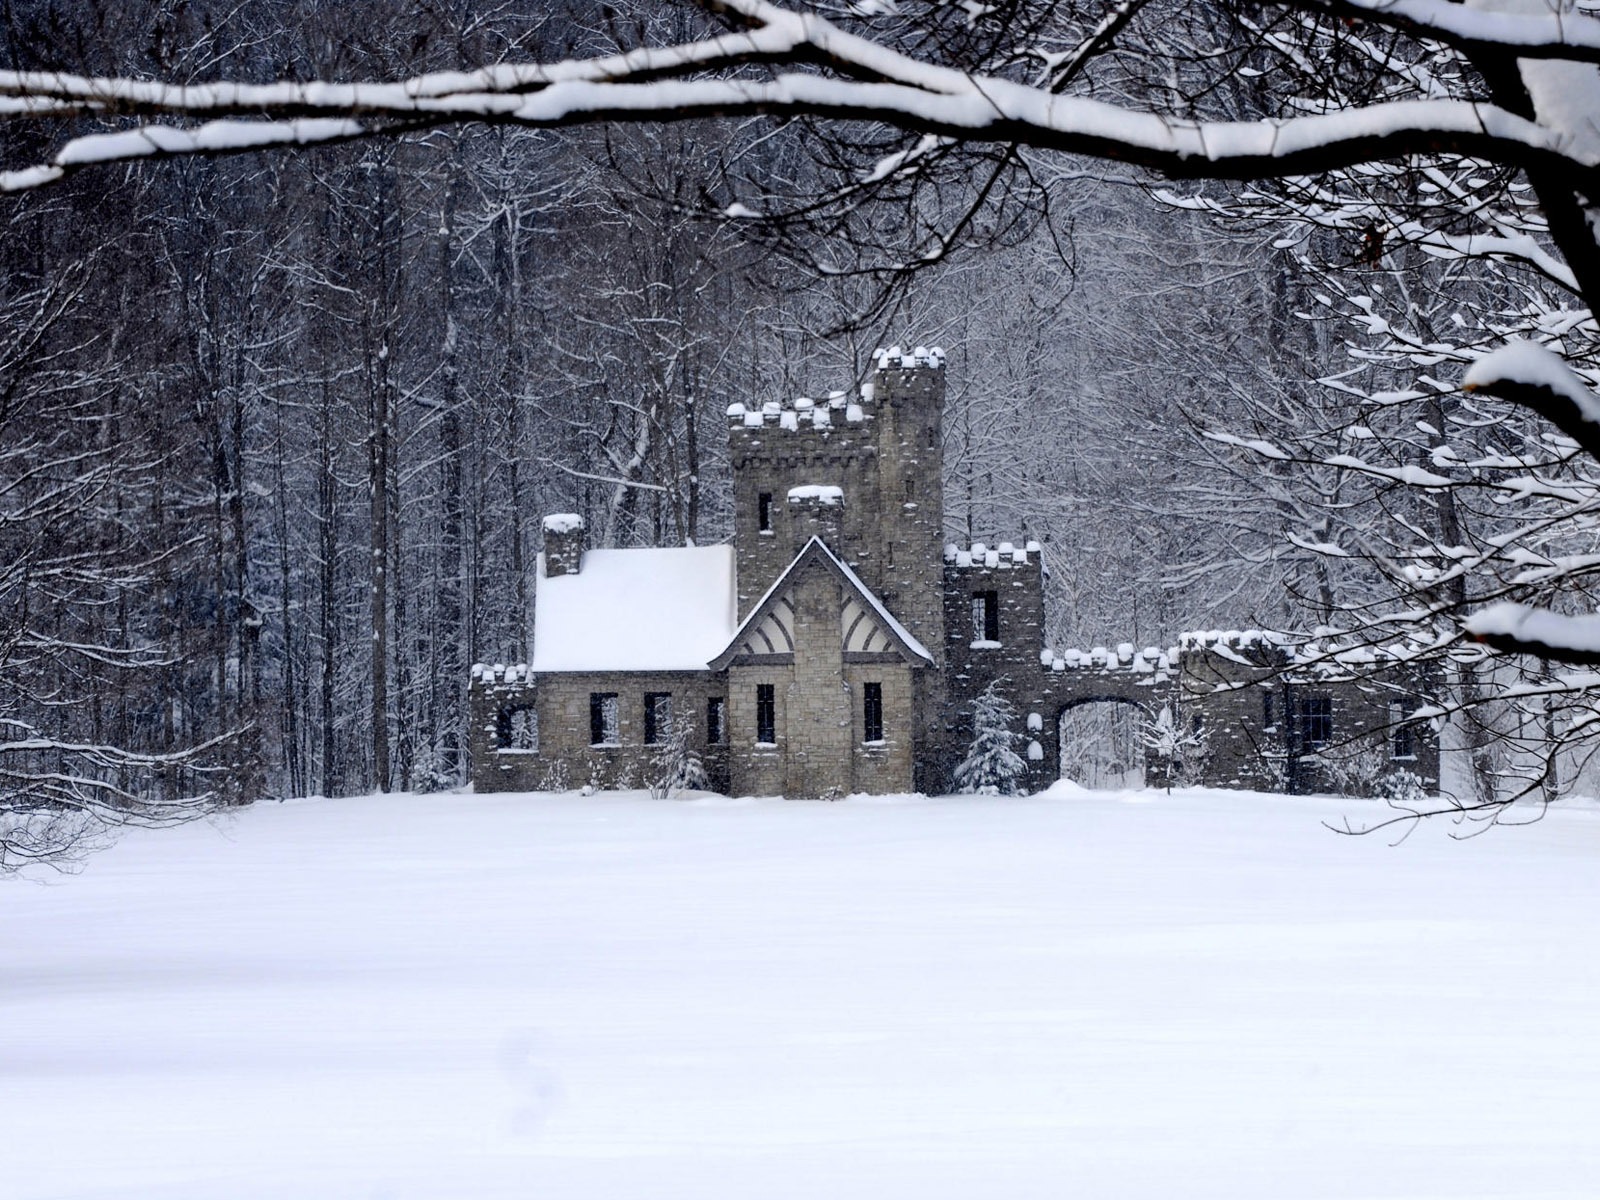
(894, 358)
(801, 412)
(1152, 661)
(1002, 557)
(1321, 656)
(510, 674)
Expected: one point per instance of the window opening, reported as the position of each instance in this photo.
(517, 729)
(872, 712)
(604, 726)
(764, 511)
(716, 721)
(657, 717)
(1316, 720)
(986, 616)
(766, 715)
(1402, 734)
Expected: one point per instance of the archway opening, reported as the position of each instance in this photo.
(1103, 743)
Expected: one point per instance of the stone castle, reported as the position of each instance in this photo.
(837, 644)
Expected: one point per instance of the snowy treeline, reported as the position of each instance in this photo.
(279, 428)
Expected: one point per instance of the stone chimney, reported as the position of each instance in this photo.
(815, 510)
(563, 544)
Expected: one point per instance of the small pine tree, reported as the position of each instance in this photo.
(675, 766)
(992, 766)
(1180, 753)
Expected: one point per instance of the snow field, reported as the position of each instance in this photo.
(1201, 995)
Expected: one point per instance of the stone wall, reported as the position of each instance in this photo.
(770, 456)
(565, 758)
(1250, 696)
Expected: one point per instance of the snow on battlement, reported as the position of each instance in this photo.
(800, 413)
(922, 356)
(1152, 661)
(499, 673)
(980, 554)
(1325, 651)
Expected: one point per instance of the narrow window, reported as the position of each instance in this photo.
(872, 712)
(911, 488)
(1402, 734)
(1316, 720)
(1266, 711)
(603, 727)
(525, 730)
(716, 721)
(764, 511)
(766, 715)
(986, 616)
(657, 717)
(889, 555)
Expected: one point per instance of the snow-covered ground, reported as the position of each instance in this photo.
(1201, 995)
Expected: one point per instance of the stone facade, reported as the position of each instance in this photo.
(859, 640)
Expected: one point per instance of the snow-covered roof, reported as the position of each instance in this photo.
(637, 610)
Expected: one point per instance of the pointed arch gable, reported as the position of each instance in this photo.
(867, 628)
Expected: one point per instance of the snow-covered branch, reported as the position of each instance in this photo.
(849, 78)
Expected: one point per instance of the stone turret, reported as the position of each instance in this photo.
(908, 396)
(563, 544)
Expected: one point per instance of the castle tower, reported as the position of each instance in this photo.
(908, 401)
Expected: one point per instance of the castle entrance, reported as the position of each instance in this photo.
(1102, 742)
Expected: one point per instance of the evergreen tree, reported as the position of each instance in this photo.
(992, 767)
(675, 767)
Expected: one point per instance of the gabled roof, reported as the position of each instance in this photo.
(636, 610)
(815, 551)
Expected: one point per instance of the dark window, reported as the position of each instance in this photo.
(889, 554)
(986, 616)
(1266, 711)
(766, 715)
(716, 721)
(657, 717)
(911, 488)
(517, 729)
(872, 712)
(764, 511)
(604, 729)
(1316, 720)
(1402, 734)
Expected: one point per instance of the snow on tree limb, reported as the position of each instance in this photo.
(1537, 378)
(860, 81)
(1548, 34)
(1521, 629)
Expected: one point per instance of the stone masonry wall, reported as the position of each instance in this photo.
(1250, 695)
(565, 758)
(771, 457)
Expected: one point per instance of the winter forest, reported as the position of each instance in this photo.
(280, 421)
